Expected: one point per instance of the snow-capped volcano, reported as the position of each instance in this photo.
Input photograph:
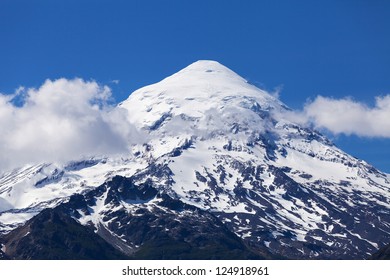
(219, 144)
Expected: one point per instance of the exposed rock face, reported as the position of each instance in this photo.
(53, 235)
(134, 222)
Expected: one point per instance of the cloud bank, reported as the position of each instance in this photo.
(60, 121)
(346, 116)
(66, 120)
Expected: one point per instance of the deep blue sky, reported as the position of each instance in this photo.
(333, 48)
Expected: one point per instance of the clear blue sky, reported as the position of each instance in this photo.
(332, 48)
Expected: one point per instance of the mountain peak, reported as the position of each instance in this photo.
(209, 71)
(207, 66)
(203, 89)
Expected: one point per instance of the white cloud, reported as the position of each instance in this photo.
(346, 116)
(60, 121)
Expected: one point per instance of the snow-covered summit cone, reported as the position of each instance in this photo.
(202, 99)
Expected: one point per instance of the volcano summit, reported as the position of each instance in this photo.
(223, 173)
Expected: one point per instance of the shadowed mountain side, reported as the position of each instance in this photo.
(382, 254)
(53, 235)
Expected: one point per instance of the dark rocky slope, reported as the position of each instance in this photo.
(150, 226)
